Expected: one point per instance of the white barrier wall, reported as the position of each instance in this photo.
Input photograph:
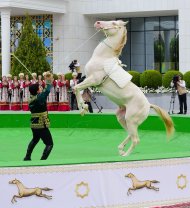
(165, 101)
(160, 182)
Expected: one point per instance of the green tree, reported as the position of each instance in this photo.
(31, 52)
(174, 52)
(159, 52)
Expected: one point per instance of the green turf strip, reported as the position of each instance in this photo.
(89, 145)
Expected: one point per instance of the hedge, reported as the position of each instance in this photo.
(186, 77)
(151, 79)
(168, 77)
(136, 77)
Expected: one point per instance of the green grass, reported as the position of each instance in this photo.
(89, 145)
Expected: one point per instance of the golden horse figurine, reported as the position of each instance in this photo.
(141, 184)
(24, 192)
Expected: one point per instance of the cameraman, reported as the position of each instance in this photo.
(180, 86)
(74, 66)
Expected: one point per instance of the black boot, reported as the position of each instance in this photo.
(29, 150)
(46, 152)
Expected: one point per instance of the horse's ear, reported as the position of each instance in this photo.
(125, 23)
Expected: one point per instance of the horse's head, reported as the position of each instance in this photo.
(15, 181)
(113, 30)
(110, 27)
(129, 175)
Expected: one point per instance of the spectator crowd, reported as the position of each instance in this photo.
(14, 92)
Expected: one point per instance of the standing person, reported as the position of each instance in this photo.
(40, 81)
(57, 86)
(21, 91)
(34, 78)
(39, 117)
(86, 95)
(26, 94)
(4, 105)
(10, 81)
(74, 66)
(63, 85)
(51, 99)
(182, 95)
(15, 102)
(73, 82)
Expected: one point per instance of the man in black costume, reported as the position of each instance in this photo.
(39, 117)
(73, 66)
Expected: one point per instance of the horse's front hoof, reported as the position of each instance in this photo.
(83, 112)
(122, 153)
(120, 147)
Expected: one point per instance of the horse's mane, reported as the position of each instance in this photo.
(118, 50)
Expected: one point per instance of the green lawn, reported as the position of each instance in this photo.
(89, 145)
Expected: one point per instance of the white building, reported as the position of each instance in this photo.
(64, 25)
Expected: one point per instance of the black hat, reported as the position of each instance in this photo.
(34, 89)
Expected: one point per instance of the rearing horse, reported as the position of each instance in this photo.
(101, 72)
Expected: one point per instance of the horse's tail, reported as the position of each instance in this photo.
(155, 181)
(166, 119)
(46, 189)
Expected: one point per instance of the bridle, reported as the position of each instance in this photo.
(107, 28)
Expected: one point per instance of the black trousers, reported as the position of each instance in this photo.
(43, 134)
(57, 96)
(46, 137)
(21, 96)
(183, 103)
(89, 107)
(73, 101)
(9, 95)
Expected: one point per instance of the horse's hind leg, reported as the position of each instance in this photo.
(45, 196)
(122, 145)
(121, 119)
(132, 129)
(154, 188)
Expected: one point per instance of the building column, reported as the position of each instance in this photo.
(5, 41)
(184, 40)
(58, 43)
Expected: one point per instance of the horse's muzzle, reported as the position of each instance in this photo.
(98, 25)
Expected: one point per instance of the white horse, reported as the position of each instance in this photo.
(104, 71)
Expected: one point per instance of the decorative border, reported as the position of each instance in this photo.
(99, 166)
(108, 166)
(165, 204)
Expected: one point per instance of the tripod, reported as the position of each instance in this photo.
(172, 101)
(94, 101)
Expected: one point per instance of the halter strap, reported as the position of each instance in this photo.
(107, 28)
(107, 45)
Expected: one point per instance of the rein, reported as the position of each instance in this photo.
(76, 49)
